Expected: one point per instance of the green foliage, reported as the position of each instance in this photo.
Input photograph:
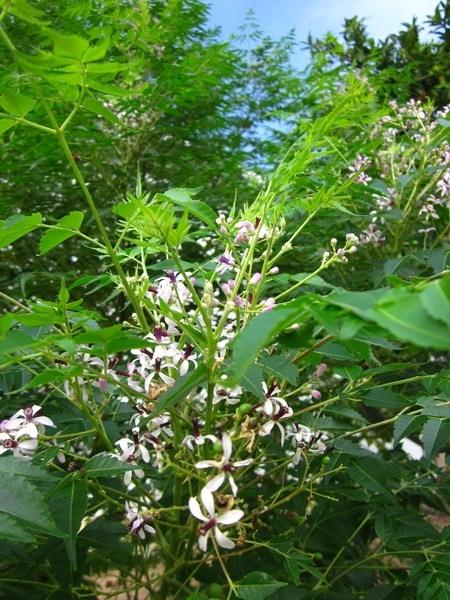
(235, 383)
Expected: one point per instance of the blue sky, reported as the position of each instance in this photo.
(277, 17)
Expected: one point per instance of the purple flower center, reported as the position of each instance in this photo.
(208, 526)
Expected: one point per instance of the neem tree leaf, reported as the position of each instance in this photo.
(371, 475)
(65, 228)
(259, 332)
(17, 226)
(22, 500)
(6, 124)
(183, 197)
(68, 503)
(436, 300)
(406, 424)
(12, 531)
(435, 434)
(258, 585)
(182, 387)
(15, 466)
(106, 465)
(16, 104)
(402, 313)
(68, 46)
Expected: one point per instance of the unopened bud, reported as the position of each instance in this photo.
(256, 278)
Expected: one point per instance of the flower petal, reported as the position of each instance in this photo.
(216, 482)
(203, 542)
(195, 509)
(223, 540)
(205, 464)
(231, 516)
(243, 463)
(208, 500)
(227, 447)
(44, 421)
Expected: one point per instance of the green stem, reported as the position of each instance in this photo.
(112, 255)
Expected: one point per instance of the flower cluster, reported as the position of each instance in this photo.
(19, 433)
(409, 173)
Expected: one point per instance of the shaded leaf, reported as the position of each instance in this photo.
(17, 226)
(435, 434)
(181, 389)
(69, 503)
(258, 585)
(107, 465)
(16, 104)
(66, 228)
(12, 531)
(21, 499)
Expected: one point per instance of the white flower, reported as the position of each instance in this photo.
(131, 451)
(225, 465)
(198, 439)
(137, 523)
(303, 439)
(183, 358)
(245, 230)
(230, 395)
(273, 402)
(212, 520)
(225, 262)
(22, 443)
(172, 290)
(30, 416)
(277, 409)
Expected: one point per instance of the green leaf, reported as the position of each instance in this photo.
(350, 372)
(107, 465)
(183, 197)
(252, 381)
(98, 108)
(371, 475)
(259, 332)
(16, 340)
(107, 88)
(6, 124)
(258, 585)
(26, 12)
(280, 367)
(68, 503)
(356, 302)
(67, 227)
(436, 300)
(17, 226)
(53, 376)
(98, 51)
(402, 313)
(181, 389)
(15, 466)
(16, 104)
(69, 46)
(6, 322)
(12, 531)
(384, 398)
(406, 424)
(21, 499)
(435, 434)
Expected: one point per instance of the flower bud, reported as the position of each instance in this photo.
(274, 271)
(256, 278)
